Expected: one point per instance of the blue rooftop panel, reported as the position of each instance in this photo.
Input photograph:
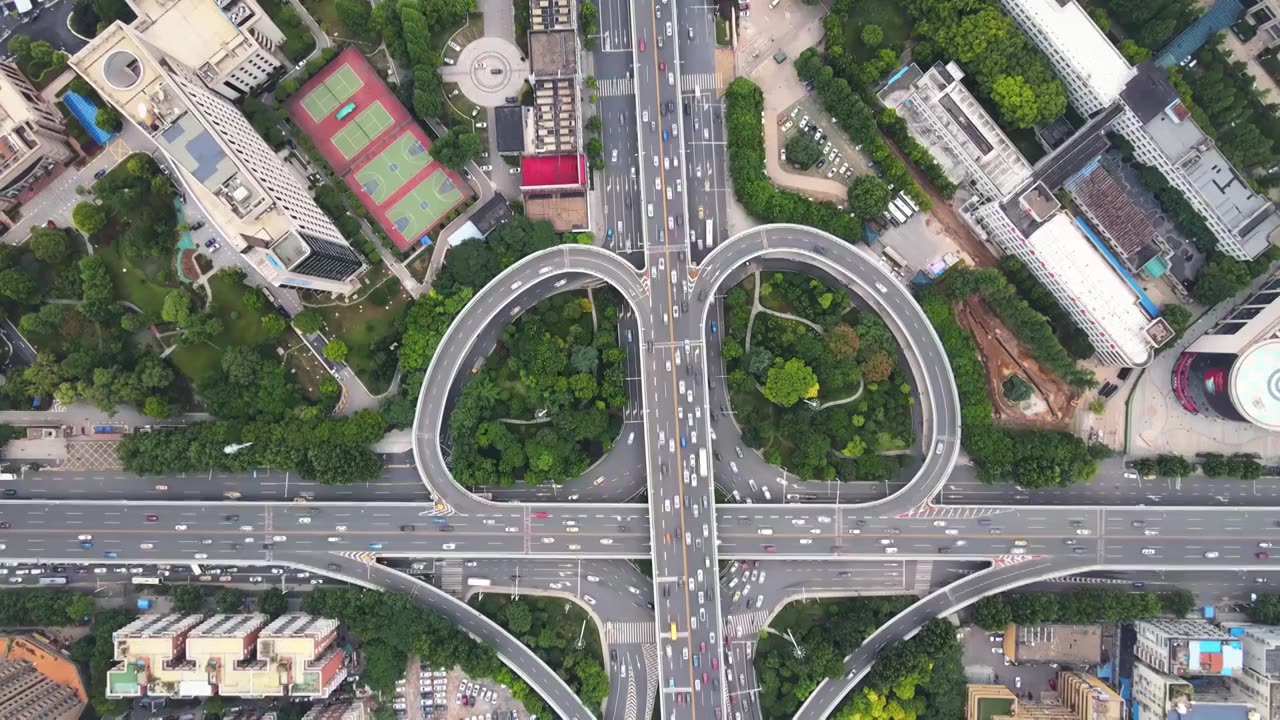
(1148, 306)
(87, 112)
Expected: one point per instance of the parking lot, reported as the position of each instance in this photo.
(985, 662)
(841, 160)
(439, 694)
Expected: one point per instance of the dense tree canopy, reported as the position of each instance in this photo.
(456, 148)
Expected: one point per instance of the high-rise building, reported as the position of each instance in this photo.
(1153, 120)
(33, 137)
(340, 710)
(261, 206)
(942, 113)
(1063, 253)
(234, 655)
(1089, 698)
(1188, 648)
(231, 44)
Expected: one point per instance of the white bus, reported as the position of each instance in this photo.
(702, 462)
(711, 239)
(897, 216)
(902, 206)
(147, 581)
(479, 582)
(910, 203)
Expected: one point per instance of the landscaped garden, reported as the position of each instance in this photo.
(369, 328)
(814, 381)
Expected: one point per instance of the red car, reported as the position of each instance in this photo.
(715, 663)
(49, 223)
(704, 678)
(5, 525)
(153, 518)
(769, 548)
(1262, 556)
(641, 44)
(541, 515)
(662, 66)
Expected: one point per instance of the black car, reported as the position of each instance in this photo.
(199, 224)
(10, 492)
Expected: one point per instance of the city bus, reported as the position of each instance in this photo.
(52, 581)
(702, 462)
(711, 239)
(146, 580)
(896, 260)
(910, 203)
(896, 215)
(899, 203)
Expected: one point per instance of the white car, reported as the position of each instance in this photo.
(547, 540)
(1148, 551)
(304, 520)
(202, 556)
(449, 546)
(279, 538)
(1211, 554)
(179, 527)
(334, 538)
(85, 537)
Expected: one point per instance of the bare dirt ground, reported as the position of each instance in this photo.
(1003, 355)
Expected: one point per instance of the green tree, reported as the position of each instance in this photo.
(228, 601)
(336, 350)
(308, 321)
(157, 407)
(80, 606)
(1178, 317)
(1178, 603)
(18, 285)
(869, 197)
(519, 618)
(1222, 278)
(273, 603)
(49, 245)
(88, 218)
(108, 119)
(1015, 100)
(803, 151)
(456, 148)
(354, 14)
(273, 325)
(187, 599)
(790, 382)
(177, 307)
(428, 92)
(872, 36)
(1133, 52)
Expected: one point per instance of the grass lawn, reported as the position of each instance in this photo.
(990, 707)
(240, 326)
(143, 286)
(366, 327)
(302, 365)
(892, 19)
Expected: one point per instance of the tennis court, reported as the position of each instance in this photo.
(424, 205)
(326, 97)
(366, 126)
(393, 167)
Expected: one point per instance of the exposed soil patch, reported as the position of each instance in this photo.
(188, 263)
(1003, 355)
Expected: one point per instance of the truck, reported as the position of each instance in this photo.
(144, 603)
(479, 582)
(702, 462)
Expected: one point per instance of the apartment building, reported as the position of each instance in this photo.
(1063, 253)
(28, 694)
(1153, 119)
(234, 655)
(33, 138)
(230, 44)
(340, 710)
(943, 115)
(260, 204)
(1088, 698)
(1188, 648)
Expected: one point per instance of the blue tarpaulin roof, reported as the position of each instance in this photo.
(87, 112)
(1150, 307)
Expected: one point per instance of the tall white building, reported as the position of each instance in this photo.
(230, 44)
(260, 205)
(33, 136)
(1059, 251)
(1188, 647)
(942, 113)
(1153, 119)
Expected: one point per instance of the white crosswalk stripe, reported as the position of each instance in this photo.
(630, 633)
(650, 651)
(616, 87)
(1090, 580)
(363, 556)
(748, 622)
(701, 82)
(927, 510)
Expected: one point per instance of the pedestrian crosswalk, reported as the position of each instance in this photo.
(923, 577)
(630, 633)
(650, 651)
(748, 623)
(957, 512)
(1083, 580)
(699, 82)
(616, 87)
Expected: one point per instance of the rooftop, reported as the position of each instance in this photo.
(566, 211)
(1255, 384)
(196, 32)
(1131, 234)
(553, 53)
(1067, 26)
(508, 123)
(1065, 250)
(491, 214)
(553, 170)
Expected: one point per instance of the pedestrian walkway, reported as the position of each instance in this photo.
(629, 633)
(700, 82)
(616, 87)
(748, 623)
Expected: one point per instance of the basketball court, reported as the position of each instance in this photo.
(422, 206)
(361, 130)
(377, 149)
(392, 168)
(331, 93)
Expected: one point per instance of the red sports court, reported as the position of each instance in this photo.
(368, 137)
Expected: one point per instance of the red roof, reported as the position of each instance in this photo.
(553, 170)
